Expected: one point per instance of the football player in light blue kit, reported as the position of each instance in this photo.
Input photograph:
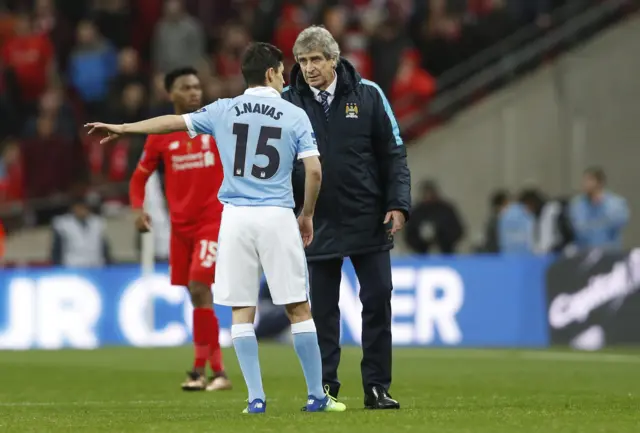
(259, 136)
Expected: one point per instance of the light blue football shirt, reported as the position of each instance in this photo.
(259, 136)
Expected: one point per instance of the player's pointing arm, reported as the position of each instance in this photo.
(156, 125)
(195, 123)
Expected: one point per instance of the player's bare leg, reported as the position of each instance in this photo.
(204, 322)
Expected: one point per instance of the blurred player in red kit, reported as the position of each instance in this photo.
(193, 175)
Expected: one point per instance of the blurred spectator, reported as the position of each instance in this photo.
(555, 231)
(386, 48)
(128, 70)
(598, 215)
(113, 18)
(355, 48)
(56, 26)
(498, 202)
(178, 40)
(442, 38)
(387, 40)
(79, 238)
(29, 57)
(336, 20)
(229, 58)
(434, 222)
(92, 66)
(412, 87)
(533, 200)
(52, 163)
(146, 13)
(291, 23)
(132, 105)
(11, 175)
(516, 229)
(159, 99)
(10, 123)
(7, 24)
(52, 104)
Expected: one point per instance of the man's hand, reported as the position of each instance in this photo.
(143, 222)
(306, 229)
(398, 221)
(112, 132)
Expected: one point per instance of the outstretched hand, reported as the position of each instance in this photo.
(112, 132)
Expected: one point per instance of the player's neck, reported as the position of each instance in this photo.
(262, 86)
(179, 111)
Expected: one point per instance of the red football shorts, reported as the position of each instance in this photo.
(192, 255)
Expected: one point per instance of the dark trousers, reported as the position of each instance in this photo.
(374, 273)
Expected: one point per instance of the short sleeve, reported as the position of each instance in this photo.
(150, 155)
(306, 138)
(203, 120)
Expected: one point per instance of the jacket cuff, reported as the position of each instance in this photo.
(404, 211)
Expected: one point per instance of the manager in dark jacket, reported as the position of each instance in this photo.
(364, 201)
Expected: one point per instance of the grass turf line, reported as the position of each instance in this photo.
(440, 390)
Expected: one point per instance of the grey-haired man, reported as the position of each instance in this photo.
(364, 201)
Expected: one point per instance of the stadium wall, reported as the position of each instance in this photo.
(457, 301)
(545, 129)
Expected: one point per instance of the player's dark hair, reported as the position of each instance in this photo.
(172, 76)
(597, 173)
(257, 60)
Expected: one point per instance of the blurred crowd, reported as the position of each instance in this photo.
(528, 222)
(63, 62)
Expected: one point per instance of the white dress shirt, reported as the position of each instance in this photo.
(331, 90)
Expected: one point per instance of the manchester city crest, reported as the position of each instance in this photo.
(351, 110)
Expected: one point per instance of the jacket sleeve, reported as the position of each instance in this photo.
(391, 155)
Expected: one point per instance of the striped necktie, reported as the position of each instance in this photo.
(324, 96)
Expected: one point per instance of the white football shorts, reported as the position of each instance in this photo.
(251, 236)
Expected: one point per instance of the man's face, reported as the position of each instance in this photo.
(275, 78)
(86, 33)
(186, 93)
(317, 70)
(80, 210)
(173, 9)
(590, 184)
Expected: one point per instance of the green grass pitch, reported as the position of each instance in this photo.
(441, 391)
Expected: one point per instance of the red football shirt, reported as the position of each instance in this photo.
(30, 57)
(193, 175)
